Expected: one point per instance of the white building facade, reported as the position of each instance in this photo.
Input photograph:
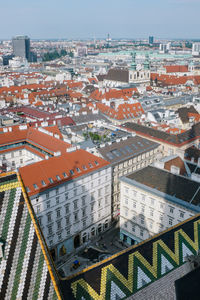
(74, 211)
(146, 211)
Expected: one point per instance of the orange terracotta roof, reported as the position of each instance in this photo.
(55, 130)
(124, 111)
(113, 94)
(60, 169)
(39, 139)
(176, 69)
(166, 79)
(194, 116)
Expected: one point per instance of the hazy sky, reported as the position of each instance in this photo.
(89, 18)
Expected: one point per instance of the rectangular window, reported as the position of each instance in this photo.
(126, 201)
(75, 204)
(152, 201)
(60, 236)
(161, 217)
(99, 192)
(142, 219)
(67, 221)
(170, 221)
(38, 209)
(58, 213)
(49, 219)
(161, 205)
(141, 232)
(47, 195)
(58, 225)
(83, 213)
(171, 209)
(134, 204)
(57, 200)
(181, 214)
(133, 228)
(107, 188)
(142, 208)
(83, 200)
(67, 209)
(76, 217)
(50, 230)
(48, 204)
(151, 212)
(66, 196)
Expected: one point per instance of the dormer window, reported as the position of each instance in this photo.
(78, 170)
(50, 180)
(58, 177)
(43, 182)
(27, 189)
(65, 175)
(84, 168)
(90, 165)
(71, 172)
(35, 186)
(96, 163)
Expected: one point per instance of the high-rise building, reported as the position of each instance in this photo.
(151, 40)
(196, 49)
(21, 46)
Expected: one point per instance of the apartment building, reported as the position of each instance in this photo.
(71, 196)
(22, 145)
(127, 155)
(153, 200)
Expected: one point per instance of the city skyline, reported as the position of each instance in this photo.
(83, 20)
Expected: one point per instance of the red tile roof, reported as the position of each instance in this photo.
(124, 111)
(67, 167)
(41, 140)
(166, 79)
(176, 69)
(113, 94)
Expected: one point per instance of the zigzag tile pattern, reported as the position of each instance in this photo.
(127, 272)
(23, 269)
